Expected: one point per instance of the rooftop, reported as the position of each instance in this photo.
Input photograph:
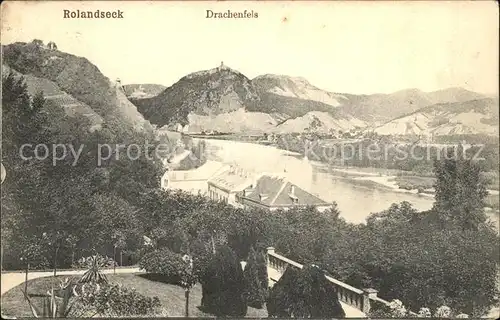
(271, 190)
(207, 170)
(232, 179)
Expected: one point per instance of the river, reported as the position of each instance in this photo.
(355, 199)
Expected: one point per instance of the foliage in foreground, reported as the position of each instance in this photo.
(396, 309)
(94, 274)
(405, 254)
(304, 293)
(54, 306)
(223, 285)
(170, 266)
(256, 279)
(113, 300)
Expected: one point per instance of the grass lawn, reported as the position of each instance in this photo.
(171, 296)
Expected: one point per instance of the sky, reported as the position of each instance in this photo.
(346, 47)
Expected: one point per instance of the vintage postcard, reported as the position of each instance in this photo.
(292, 159)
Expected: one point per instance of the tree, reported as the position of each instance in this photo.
(38, 102)
(460, 192)
(256, 279)
(171, 267)
(304, 294)
(37, 42)
(223, 285)
(413, 257)
(280, 301)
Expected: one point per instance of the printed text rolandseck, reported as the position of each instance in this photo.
(98, 14)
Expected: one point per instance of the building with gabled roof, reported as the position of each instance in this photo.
(225, 185)
(274, 192)
(193, 181)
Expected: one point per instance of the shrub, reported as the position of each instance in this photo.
(53, 307)
(94, 274)
(304, 294)
(113, 300)
(223, 285)
(169, 266)
(443, 312)
(256, 279)
(86, 262)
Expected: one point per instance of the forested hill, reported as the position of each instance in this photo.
(67, 198)
(77, 77)
(214, 91)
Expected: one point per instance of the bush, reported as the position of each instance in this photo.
(168, 266)
(86, 262)
(94, 274)
(304, 294)
(223, 285)
(256, 279)
(113, 300)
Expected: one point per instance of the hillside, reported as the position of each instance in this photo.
(75, 76)
(457, 118)
(321, 122)
(58, 99)
(234, 121)
(140, 91)
(296, 87)
(384, 107)
(210, 92)
(453, 95)
(291, 107)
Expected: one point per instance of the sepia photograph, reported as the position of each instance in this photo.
(250, 159)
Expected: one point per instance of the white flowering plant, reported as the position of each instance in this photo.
(424, 313)
(443, 312)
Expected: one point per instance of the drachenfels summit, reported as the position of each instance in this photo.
(232, 14)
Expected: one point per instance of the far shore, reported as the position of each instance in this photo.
(379, 178)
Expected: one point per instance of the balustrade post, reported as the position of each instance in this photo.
(368, 294)
(269, 250)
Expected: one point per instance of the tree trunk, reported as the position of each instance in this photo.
(121, 258)
(26, 279)
(72, 258)
(186, 293)
(114, 259)
(213, 243)
(55, 260)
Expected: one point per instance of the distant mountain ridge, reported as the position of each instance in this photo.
(478, 116)
(223, 99)
(384, 107)
(296, 87)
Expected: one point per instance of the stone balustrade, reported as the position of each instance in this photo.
(354, 297)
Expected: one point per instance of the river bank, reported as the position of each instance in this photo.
(358, 192)
(390, 179)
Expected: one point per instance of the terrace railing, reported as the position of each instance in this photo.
(361, 299)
